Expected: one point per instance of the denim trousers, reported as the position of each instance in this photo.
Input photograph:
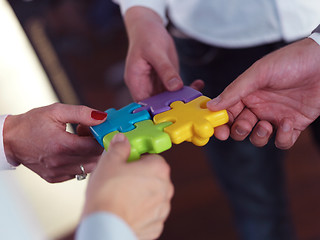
(252, 178)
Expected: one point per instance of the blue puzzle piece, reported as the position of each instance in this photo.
(121, 120)
(161, 102)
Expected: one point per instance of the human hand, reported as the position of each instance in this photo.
(38, 139)
(138, 192)
(280, 92)
(152, 62)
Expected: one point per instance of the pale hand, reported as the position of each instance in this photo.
(279, 93)
(138, 192)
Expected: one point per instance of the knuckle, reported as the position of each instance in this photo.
(170, 191)
(55, 107)
(49, 176)
(57, 148)
(82, 110)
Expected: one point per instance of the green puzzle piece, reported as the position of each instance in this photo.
(145, 138)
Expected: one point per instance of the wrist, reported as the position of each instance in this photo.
(8, 139)
(138, 17)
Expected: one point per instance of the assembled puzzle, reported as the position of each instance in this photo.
(153, 124)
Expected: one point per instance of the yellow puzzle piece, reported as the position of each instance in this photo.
(192, 121)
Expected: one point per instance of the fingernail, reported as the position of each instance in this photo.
(173, 84)
(119, 137)
(240, 131)
(215, 101)
(286, 127)
(98, 115)
(261, 132)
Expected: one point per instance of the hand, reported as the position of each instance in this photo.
(152, 62)
(280, 92)
(38, 140)
(138, 192)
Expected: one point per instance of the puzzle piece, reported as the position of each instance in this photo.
(192, 121)
(161, 102)
(121, 120)
(145, 138)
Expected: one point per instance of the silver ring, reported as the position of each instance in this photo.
(82, 176)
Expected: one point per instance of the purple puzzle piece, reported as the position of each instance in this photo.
(161, 102)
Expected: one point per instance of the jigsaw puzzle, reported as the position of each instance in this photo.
(177, 117)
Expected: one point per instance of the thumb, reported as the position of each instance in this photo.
(241, 87)
(78, 114)
(168, 73)
(118, 150)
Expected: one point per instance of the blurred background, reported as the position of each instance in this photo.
(74, 51)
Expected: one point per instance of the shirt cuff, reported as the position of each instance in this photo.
(4, 165)
(102, 226)
(316, 37)
(159, 6)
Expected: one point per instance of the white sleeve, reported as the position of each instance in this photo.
(316, 37)
(104, 226)
(159, 6)
(4, 165)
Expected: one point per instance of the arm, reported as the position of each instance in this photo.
(139, 193)
(152, 62)
(38, 139)
(279, 93)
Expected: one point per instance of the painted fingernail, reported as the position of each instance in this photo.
(98, 115)
(120, 137)
(240, 131)
(261, 132)
(173, 83)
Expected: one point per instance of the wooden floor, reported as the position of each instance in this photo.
(94, 62)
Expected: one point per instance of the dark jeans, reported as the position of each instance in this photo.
(252, 178)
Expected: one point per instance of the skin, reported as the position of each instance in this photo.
(139, 192)
(152, 63)
(279, 94)
(38, 140)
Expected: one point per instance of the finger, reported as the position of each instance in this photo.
(222, 132)
(167, 73)
(72, 144)
(261, 133)
(61, 160)
(155, 165)
(55, 175)
(77, 114)
(197, 84)
(241, 87)
(152, 231)
(243, 125)
(83, 131)
(285, 136)
(118, 151)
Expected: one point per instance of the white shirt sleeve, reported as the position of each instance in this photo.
(316, 37)
(4, 165)
(104, 226)
(159, 6)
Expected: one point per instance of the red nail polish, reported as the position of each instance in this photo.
(97, 115)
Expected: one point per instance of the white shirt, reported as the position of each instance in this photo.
(235, 23)
(104, 226)
(4, 165)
